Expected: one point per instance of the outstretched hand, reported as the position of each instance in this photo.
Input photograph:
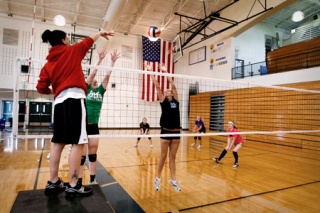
(102, 53)
(163, 68)
(115, 56)
(148, 66)
(106, 35)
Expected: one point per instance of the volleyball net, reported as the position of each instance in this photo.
(267, 112)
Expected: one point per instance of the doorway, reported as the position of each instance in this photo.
(7, 110)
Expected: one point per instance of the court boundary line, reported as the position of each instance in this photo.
(248, 196)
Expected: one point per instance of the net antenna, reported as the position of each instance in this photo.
(176, 48)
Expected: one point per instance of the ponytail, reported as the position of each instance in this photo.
(53, 37)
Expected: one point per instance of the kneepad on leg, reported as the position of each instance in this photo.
(92, 157)
(83, 160)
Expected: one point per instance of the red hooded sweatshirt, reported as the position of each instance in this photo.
(63, 69)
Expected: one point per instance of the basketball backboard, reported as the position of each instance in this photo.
(176, 48)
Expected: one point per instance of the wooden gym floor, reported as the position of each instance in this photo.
(270, 178)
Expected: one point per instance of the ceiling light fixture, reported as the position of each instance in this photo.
(59, 20)
(297, 16)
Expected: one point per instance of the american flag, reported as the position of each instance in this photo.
(156, 53)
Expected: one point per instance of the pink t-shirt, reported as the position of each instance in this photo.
(238, 138)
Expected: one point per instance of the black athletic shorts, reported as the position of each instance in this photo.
(93, 129)
(202, 130)
(164, 131)
(70, 122)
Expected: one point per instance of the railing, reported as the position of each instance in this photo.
(306, 32)
(249, 70)
(287, 63)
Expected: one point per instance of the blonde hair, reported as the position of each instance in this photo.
(234, 126)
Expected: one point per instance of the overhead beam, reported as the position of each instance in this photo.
(224, 29)
(75, 17)
(171, 14)
(201, 24)
(138, 16)
(7, 7)
(42, 16)
(195, 29)
(262, 17)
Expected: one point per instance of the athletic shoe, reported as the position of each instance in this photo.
(151, 146)
(48, 156)
(135, 145)
(193, 144)
(200, 147)
(54, 188)
(235, 165)
(175, 185)
(216, 160)
(92, 183)
(78, 191)
(157, 184)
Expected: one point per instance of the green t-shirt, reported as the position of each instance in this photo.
(94, 103)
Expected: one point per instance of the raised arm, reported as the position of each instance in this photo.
(155, 82)
(102, 53)
(173, 86)
(103, 34)
(114, 57)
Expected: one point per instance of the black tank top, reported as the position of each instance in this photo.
(170, 117)
(144, 126)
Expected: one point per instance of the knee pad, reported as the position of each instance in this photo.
(199, 138)
(139, 139)
(149, 138)
(83, 159)
(92, 157)
(195, 137)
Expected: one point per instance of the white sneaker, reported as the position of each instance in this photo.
(92, 183)
(235, 165)
(193, 144)
(157, 184)
(216, 160)
(48, 156)
(175, 185)
(135, 145)
(200, 146)
(151, 146)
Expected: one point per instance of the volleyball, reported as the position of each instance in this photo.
(154, 32)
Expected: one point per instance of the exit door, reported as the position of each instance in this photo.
(40, 113)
